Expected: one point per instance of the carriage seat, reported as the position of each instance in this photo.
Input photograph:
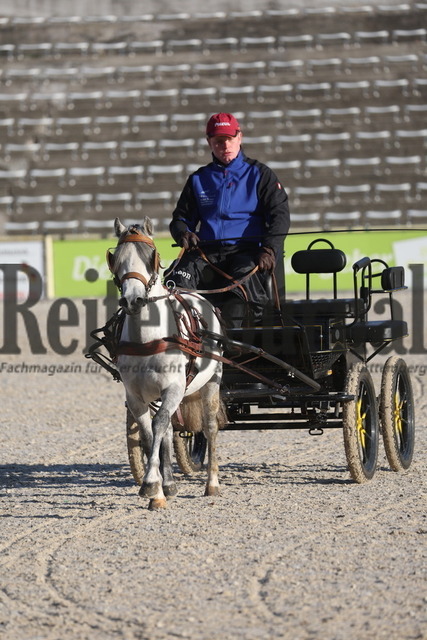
(377, 331)
(322, 261)
(326, 307)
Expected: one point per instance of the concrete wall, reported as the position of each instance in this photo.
(136, 7)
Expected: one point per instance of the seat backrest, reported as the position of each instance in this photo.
(311, 260)
(318, 261)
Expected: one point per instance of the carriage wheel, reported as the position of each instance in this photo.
(361, 424)
(190, 452)
(135, 451)
(397, 414)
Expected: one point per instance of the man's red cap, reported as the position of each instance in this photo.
(222, 124)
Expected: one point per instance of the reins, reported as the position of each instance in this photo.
(193, 324)
(235, 283)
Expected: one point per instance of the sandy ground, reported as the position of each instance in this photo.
(291, 549)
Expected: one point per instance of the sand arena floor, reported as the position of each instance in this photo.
(291, 549)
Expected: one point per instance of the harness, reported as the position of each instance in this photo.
(134, 234)
(188, 338)
(191, 326)
(189, 323)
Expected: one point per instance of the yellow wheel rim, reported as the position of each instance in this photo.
(360, 423)
(397, 413)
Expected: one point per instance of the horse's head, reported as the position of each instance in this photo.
(134, 264)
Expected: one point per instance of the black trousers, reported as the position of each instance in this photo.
(193, 272)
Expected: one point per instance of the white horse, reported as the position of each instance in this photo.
(159, 344)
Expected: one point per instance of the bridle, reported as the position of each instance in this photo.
(134, 234)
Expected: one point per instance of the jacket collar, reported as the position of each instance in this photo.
(233, 165)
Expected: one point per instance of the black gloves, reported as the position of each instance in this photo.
(188, 240)
(266, 259)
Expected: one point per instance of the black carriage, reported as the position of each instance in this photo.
(305, 367)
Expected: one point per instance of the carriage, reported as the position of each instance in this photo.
(306, 367)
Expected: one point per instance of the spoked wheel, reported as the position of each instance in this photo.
(397, 414)
(361, 424)
(135, 450)
(190, 452)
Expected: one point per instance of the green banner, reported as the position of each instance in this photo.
(80, 269)
(394, 247)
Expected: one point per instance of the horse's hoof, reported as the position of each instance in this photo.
(170, 490)
(157, 503)
(149, 490)
(211, 490)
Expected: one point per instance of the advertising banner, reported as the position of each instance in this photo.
(22, 261)
(80, 268)
(396, 248)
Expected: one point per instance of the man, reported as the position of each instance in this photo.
(235, 211)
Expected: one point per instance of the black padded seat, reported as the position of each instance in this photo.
(333, 307)
(311, 261)
(378, 331)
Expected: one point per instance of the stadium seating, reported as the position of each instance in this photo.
(106, 113)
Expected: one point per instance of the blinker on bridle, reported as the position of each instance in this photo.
(134, 234)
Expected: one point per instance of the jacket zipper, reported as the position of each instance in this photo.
(222, 208)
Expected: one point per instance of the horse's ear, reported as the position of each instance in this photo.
(118, 227)
(147, 226)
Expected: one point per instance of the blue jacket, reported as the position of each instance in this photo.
(239, 202)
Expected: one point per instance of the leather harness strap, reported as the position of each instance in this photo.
(138, 276)
(193, 341)
(175, 342)
(192, 344)
(144, 349)
(134, 234)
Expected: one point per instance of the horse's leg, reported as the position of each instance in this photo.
(211, 406)
(144, 421)
(152, 483)
(148, 489)
(141, 413)
(151, 486)
(169, 485)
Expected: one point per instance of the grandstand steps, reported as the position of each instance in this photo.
(332, 99)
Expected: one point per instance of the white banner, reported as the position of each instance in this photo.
(27, 256)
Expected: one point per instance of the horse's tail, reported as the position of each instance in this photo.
(191, 412)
